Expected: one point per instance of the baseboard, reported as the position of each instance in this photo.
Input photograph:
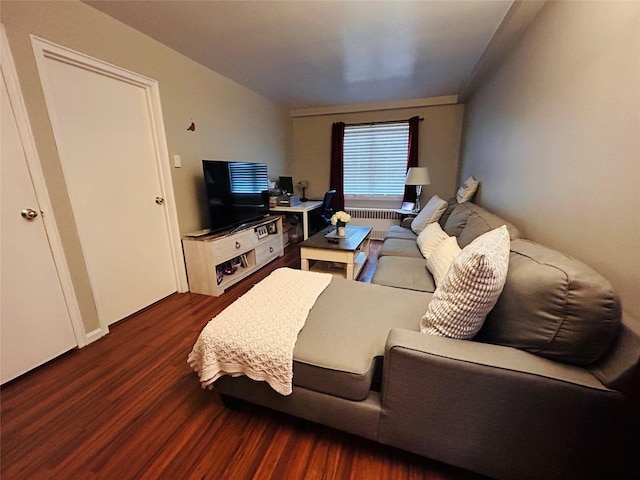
(96, 334)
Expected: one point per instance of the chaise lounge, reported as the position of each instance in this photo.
(545, 389)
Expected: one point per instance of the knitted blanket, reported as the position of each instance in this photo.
(256, 335)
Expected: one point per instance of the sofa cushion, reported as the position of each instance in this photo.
(404, 272)
(479, 221)
(470, 289)
(430, 238)
(554, 306)
(431, 212)
(458, 219)
(619, 368)
(442, 257)
(345, 333)
(399, 247)
(397, 231)
(451, 204)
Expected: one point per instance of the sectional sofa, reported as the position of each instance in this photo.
(546, 389)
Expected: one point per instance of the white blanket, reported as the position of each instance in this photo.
(256, 335)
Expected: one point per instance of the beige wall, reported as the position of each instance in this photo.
(232, 122)
(554, 137)
(438, 147)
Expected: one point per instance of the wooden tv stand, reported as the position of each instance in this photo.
(211, 259)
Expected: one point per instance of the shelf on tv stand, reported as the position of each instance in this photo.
(248, 250)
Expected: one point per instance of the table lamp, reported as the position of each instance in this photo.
(304, 184)
(417, 176)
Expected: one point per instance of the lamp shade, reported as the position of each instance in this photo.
(417, 176)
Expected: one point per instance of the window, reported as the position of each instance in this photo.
(375, 160)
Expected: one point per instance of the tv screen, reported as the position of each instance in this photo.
(237, 192)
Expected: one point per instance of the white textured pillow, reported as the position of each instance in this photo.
(467, 190)
(471, 287)
(430, 238)
(442, 257)
(430, 213)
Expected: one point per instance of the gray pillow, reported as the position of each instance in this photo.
(554, 306)
(451, 204)
(458, 219)
(481, 222)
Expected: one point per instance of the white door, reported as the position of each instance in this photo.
(35, 325)
(104, 128)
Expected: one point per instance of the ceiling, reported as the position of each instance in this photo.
(313, 54)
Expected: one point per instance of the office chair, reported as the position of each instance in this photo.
(322, 218)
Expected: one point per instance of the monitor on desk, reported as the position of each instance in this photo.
(286, 185)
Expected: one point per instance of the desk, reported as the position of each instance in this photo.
(304, 208)
(405, 214)
(349, 253)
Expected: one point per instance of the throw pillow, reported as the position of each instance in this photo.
(442, 257)
(471, 287)
(431, 212)
(430, 238)
(467, 190)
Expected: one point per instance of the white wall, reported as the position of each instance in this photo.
(554, 137)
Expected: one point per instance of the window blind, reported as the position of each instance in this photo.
(375, 159)
(248, 177)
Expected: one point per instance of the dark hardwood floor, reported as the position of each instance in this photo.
(128, 406)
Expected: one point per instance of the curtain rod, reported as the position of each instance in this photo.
(378, 123)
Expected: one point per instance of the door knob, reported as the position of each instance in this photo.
(29, 214)
(159, 200)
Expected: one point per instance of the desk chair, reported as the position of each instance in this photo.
(321, 217)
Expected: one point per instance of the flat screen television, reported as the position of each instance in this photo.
(237, 192)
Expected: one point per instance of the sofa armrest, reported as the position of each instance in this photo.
(474, 398)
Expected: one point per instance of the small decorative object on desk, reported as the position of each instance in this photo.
(304, 184)
(340, 220)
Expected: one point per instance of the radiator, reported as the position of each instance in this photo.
(380, 219)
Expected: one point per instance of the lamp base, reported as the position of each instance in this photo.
(418, 193)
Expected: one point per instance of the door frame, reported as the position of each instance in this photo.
(43, 50)
(42, 195)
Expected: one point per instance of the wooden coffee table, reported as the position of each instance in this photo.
(339, 256)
